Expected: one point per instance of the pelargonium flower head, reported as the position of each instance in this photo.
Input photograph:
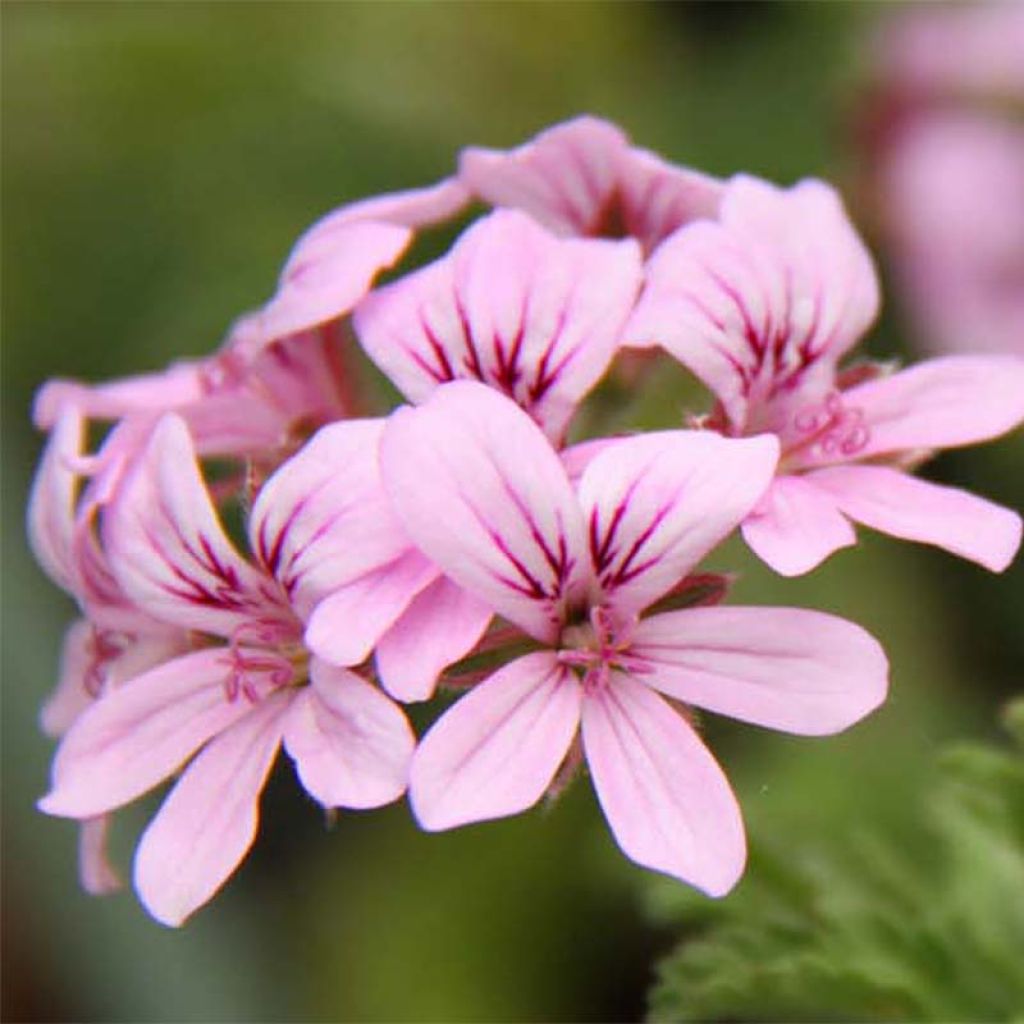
(248, 683)
(583, 177)
(761, 306)
(536, 316)
(483, 493)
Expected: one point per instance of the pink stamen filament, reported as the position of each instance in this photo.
(830, 429)
(278, 658)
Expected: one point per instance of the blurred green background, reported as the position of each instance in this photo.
(158, 161)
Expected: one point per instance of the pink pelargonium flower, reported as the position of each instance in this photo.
(761, 306)
(535, 316)
(226, 709)
(483, 493)
(584, 178)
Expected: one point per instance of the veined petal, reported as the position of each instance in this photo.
(350, 743)
(657, 503)
(346, 625)
(327, 273)
(484, 495)
(51, 506)
(532, 315)
(496, 751)
(667, 801)
(763, 301)
(796, 526)
(137, 735)
(208, 822)
(442, 624)
(786, 668)
(167, 546)
(564, 178)
(898, 504)
(323, 519)
(941, 403)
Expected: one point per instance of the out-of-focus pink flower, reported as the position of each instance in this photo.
(533, 315)
(226, 709)
(483, 493)
(761, 306)
(583, 177)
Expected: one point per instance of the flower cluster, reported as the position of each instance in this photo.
(260, 564)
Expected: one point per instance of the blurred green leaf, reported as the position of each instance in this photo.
(862, 927)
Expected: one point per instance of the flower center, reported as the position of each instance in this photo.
(596, 648)
(824, 432)
(264, 653)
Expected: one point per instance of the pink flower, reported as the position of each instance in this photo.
(533, 315)
(761, 306)
(483, 493)
(319, 523)
(583, 177)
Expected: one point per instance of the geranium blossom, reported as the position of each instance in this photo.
(533, 315)
(484, 494)
(225, 709)
(761, 306)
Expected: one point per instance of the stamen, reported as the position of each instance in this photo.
(827, 431)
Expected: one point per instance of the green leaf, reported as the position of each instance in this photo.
(862, 926)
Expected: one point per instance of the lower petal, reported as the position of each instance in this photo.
(345, 626)
(208, 822)
(442, 625)
(667, 801)
(796, 527)
(903, 506)
(351, 744)
(497, 750)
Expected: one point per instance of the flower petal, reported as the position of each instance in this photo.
(167, 547)
(796, 526)
(768, 297)
(898, 504)
(532, 315)
(350, 743)
(137, 735)
(496, 751)
(208, 822)
(51, 506)
(657, 503)
(441, 625)
(323, 519)
(941, 403)
(346, 625)
(71, 696)
(482, 493)
(786, 668)
(564, 178)
(327, 274)
(667, 801)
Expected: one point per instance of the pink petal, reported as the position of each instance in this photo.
(534, 316)
(669, 806)
(137, 735)
(484, 495)
(351, 745)
(441, 625)
(95, 872)
(167, 547)
(564, 178)
(345, 626)
(796, 526)
(800, 671)
(898, 504)
(71, 695)
(208, 822)
(328, 273)
(657, 503)
(147, 393)
(941, 403)
(768, 298)
(323, 519)
(496, 751)
(51, 507)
